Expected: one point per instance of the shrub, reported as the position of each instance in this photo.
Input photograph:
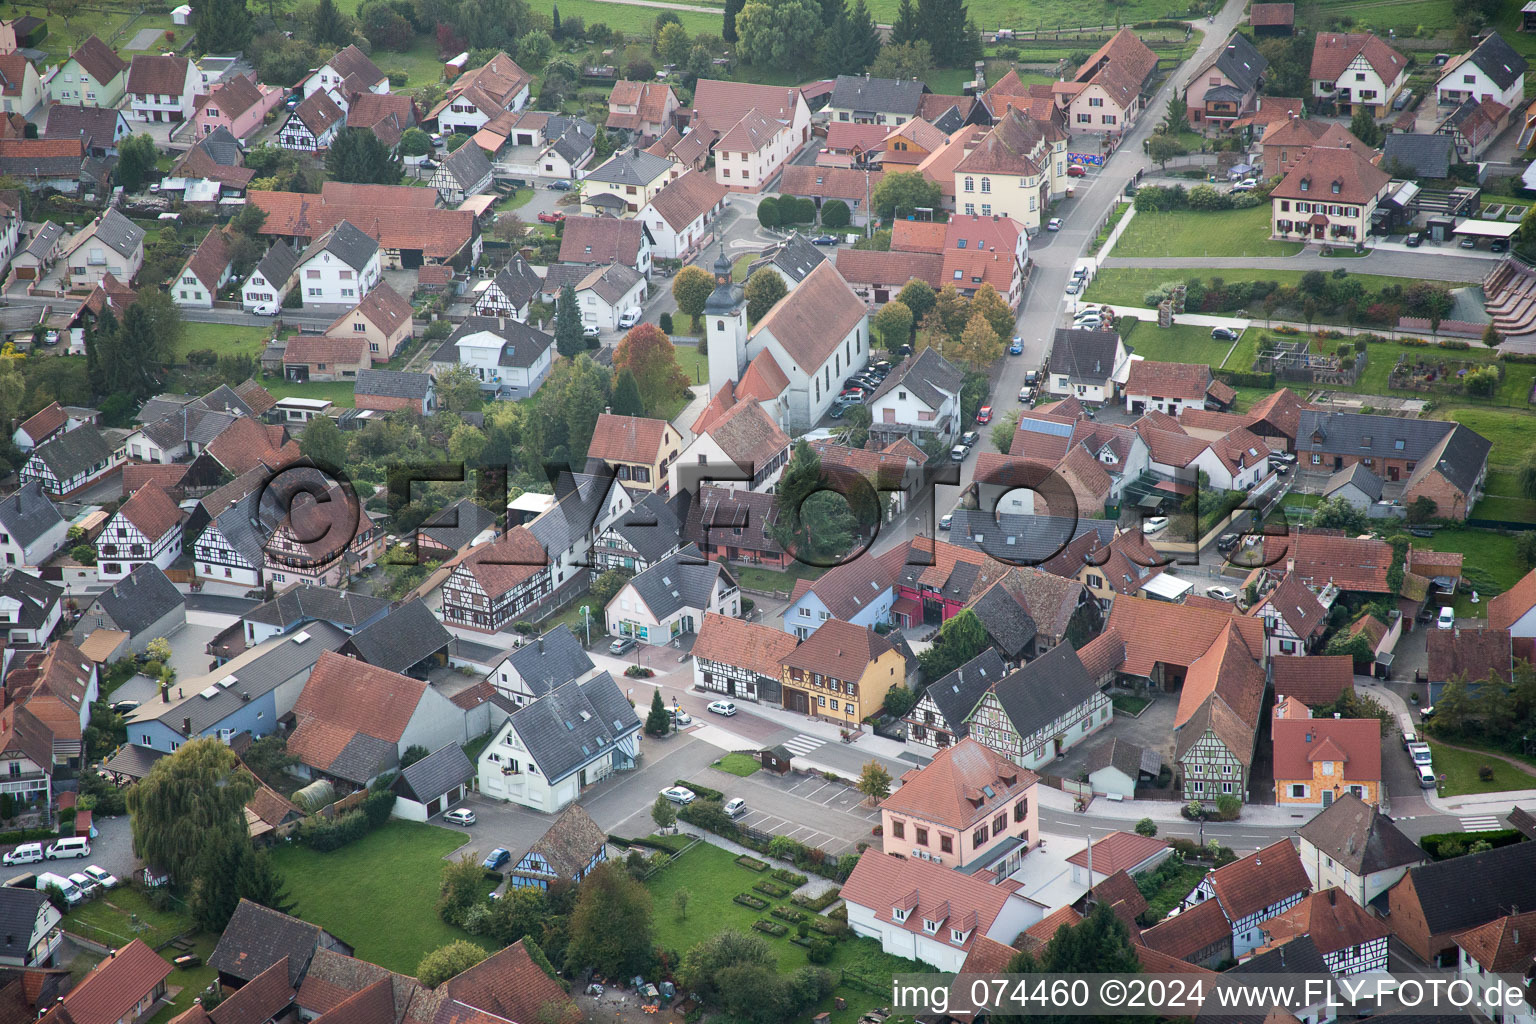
(816, 903)
(665, 323)
(1228, 807)
(746, 899)
(774, 889)
(1484, 772)
(820, 951)
(789, 914)
(704, 792)
(789, 877)
(751, 862)
(771, 927)
(1146, 827)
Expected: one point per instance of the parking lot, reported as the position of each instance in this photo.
(778, 804)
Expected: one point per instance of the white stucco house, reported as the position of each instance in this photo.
(919, 400)
(672, 597)
(339, 267)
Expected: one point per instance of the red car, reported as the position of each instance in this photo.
(984, 414)
(1076, 171)
(551, 217)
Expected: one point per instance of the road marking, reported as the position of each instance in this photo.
(797, 831)
(1481, 823)
(803, 744)
(812, 793)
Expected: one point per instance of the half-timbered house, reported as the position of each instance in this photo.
(1351, 940)
(573, 846)
(739, 659)
(1253, 890)
(511, 291)
(1041, 711)
(939, 718)
(230, 547)
(639, 538)
(492, 584)
(313, 125)
(70, 462)
(145, 528)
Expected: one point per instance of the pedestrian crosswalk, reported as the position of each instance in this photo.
(803, 744)
(1482, 823)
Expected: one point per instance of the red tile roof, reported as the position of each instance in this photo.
(1119, 851)
(45, 421)
(1299, 742)
(502, 564)
(811, 322)
(512, 986)
(1315, 680)
(1499, 945)
(1332, 920)
(330, 351)
(109, 992)
(1296, 605)
(1333, 52)
(951, 789)
(1267, 15)
(1156, 631)
(152, 511)
(1121, 66)
(1201, 926)
(383, 307)
(394, 223)
(1319, 556)
(1188, 381)
(1229, 670)
(99, 60)
(1333, 175)
(926, 890)
(839, 649)
(689, 196)
(343, 698)
(167, 476)
(845, 183)
(1260, 879)
(893, 269)
(762, 379)
(152, 73)
(628, 438)
(722, 104)
(847, 589)
(731, 641)
(918, 236)
(1470, 654)
(245, 444)
(1506, 609)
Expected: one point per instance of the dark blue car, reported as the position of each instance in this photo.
(498, 857)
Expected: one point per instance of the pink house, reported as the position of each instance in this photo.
(238, 104)
(970, 808)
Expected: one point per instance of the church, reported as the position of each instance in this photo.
(811, 340)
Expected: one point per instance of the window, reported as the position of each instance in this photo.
(986, 184)
(1000, 824)
(920, 834)
(946, 843)
(1095, 101)
(970, 184)
(986, 209)
(979, 838)
(1021, 810)
(1298, 792)
(898, 828)
(1226, 787)
(1327, 767)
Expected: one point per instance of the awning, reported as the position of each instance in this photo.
(1488, 228)
(1166, 587)
(909, 607)
(134, 762)
(1174, 487)
(1317, 219)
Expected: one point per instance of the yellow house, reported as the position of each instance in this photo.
(1318, 760)
(629, 180)
(383, 318)
(1013, 171)
(842, 672)
(640, 450)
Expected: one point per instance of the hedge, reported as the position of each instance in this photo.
(816, 903)
(829, 926)
(1246, 379)
(789, 914)
(1435, 844)
(746, 899)
(28, 835)
(789, 877)
(773, 889)
(323, 835)
(703, 791)
(771, 927)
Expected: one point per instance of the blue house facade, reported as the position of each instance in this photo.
(572, 847)
(805, 616)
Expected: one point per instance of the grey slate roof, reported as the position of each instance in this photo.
(36, 596)
(614, 282)
(578, 496)
(1126, 756)
(521, 345)
(286, 658)
(256, 938)
(877, 95)
(400, 639)
(631, 167)
(96, 125)
(344, 609)
(1358, 475)
(223, 148)
(574, 137)
(1395, 437)
(558, 275)
(1086, 357)
(347, 243)
(278, 265)
(1430, 156)
(1045, 689)
(1499, 61)
(552, 660)
(1461, 458)
(44, 239)
(28, 514)
(1240, 62)
(651, 528)
(1297, 958)
(237, 525)
(929, 376)
(457, 524)
(957, 693)
(1006, 621)
(122, 234)
(364, 757)
(434, 775)
(1018, 539)
(573, 724)
(73, 452)
(1505, 877)
(468, 166)
(1361, 838)
(393, 384)
(18, 918)
(794, 258)
(140, 599)
(684, 579)
(517, 281)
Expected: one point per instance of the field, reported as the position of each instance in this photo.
(224, 339)
(713, 879)
(379, 893)
(338, 391)
(1187, 343)
(115, 27)
(1189, 233)
(1460, 767)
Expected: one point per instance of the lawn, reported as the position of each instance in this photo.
(379, 893)
(694, 366)
(1187, 343)
(1173, 891)
(634, 21)
(110, 920)
(518, 198)
(740, 765)
(1128, 286)
(1488, 552)
(1459, 769)
(338, 391)
(1190, 233)
(713, 879)
(1502, 499)
(755, 577)
(224, 339)
(1508, 429)
(420, 63)
(1128, 704)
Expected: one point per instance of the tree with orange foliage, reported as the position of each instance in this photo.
(648, 354)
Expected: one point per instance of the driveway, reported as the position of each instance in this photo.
(805, 807)
(1153, 729)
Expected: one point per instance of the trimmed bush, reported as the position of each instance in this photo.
(1445, 845)
(774, 889)
(789, 914)
(703, 791)
(746, 899)
(789, 877)
(771, 927)
(816, 903)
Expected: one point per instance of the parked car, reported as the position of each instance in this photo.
(1246, 185)
(623, 645)
(1154, 525)
(51, 338)
(460, 816)
(1446, 619)
(1282, 456)
(1426, 777)
(1016, 347)
(679, 795)
(947, 521)
(1221, 593)
(1469, 243)
(1414, 239)
(1031, 377)
(591, 331)
(736, 807)
(1074, 286)
(497, 858)
(551, 217)
(680, 717)
(1226, 542)
(1498, 245)
(85, 883)
(1420, 753)
(854, 394)
(984, 415)
(839, 410)
(1223, 334)
(969, 438)
(958, 453)
(1026, 394)
(123, 707)
(1419, 531)
(723, 707)
(1054, 224)
(26, 853)
(72, 846)
(562, 185)
(824, 240)
(102, 877)
(629, 317)
(1076, 170)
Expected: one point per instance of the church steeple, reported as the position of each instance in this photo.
(725, 327)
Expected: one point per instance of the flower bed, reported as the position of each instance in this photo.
(774, 889)
(828, 926)
(816, 903)
(789, 914)
(751, 863)
(771, 927)
(746, 899)
(790, 878)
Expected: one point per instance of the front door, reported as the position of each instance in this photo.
(1327, 797)
(583, 780)
(797, 701)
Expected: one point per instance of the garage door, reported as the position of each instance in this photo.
(434, 806)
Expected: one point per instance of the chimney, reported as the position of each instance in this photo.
(541, 645)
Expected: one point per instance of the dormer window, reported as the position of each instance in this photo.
(958, 938)
(1338, 187)
(898, 915)
(1306, 184)
(931, 927)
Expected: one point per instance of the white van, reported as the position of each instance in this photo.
(26, 853)
(1426, 776)
(74, 846)
(71, 891)
(1446, 619)
(629, 317)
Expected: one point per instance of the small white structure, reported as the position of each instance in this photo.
(428, 787)
(301, 410)
(182, 15)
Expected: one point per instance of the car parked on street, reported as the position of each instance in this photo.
(969, 438)
(1016, 348)
(1026, 394)
(1054, 224)
(591, 331)
(824, 240)
(460, 816)
(958, 453)
(561, 185)
(984, 415)
(723, 707)
(679, 795)
(947, 521)
(1076, 170)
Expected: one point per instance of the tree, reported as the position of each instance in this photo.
(329, 26)
(607, 585)
(904, 191)
(568, 338)
(835, 214)
(447, 961)
(960, 639)
(851, 42)
(610, 926)
(768, 212)
(989, 304)
(894, 324)
(136, 159)
(324, 444)
(1338, 514)
(919, 297)
(650, 356)
(945, 26)
(777, 34)
(626, 396)
(701, 966)
(158, 649)
(358, 155)
(951, 310)
(663, 813)
(1004, 428)
(1146, 827)
(269, 759)
(658, 722)
(691, 288)
(680, 900)
(1422, 509)
(875, 782)
(187, 805)
(899, 699)
(222, 25)
(764, 288)
(1491, 336)
(979, 344)
(728, 23)
(1174, 116)
(673, 44)
(1098, 944)
(1162, 148)
(1364, 127)
(458, 390)
(905, 29)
